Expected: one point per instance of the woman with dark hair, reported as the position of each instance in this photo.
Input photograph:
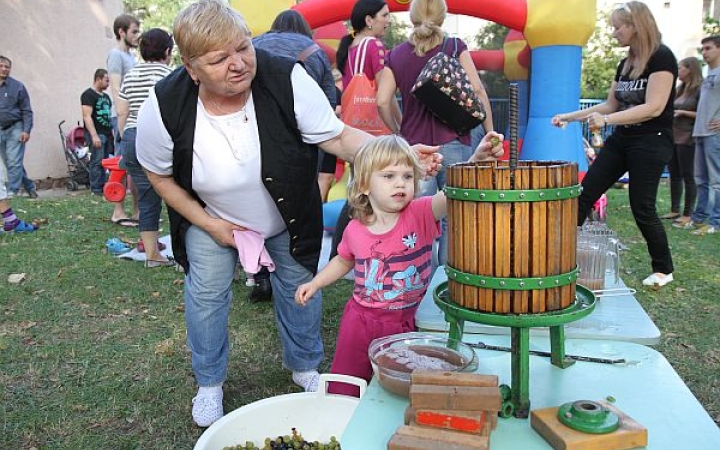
(369, 21)
(155, 48)
(291, 21)
(640, 108)
(682, 163)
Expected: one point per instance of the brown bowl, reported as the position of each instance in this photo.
(394, 358)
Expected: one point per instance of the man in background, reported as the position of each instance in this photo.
(98, 127)
(120, 61)
(707, 144)
(16, 122)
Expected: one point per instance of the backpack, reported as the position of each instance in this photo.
(359, 100)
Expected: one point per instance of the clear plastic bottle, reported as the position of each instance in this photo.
(596, 138)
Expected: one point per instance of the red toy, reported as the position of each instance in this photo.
(114, 189)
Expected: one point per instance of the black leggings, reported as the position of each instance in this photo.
(682, 174)
(644, 157)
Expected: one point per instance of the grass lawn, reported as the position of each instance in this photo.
(93, 354)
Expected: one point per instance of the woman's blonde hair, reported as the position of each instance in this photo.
(647, 36)
(692, 87)
(427, 17)
(206, 26)
(379, 153)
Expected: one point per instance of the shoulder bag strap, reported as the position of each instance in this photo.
(360, 56)
(305, 54)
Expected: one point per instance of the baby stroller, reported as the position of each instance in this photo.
(77, 155)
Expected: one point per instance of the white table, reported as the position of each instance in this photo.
(647, 389)
(615, 318)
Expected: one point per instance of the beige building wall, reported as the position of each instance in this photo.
(55, 47)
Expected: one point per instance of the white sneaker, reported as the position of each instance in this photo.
(307, 380)
(207, 406)
(658, 280)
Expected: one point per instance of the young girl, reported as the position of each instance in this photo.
(389, 245)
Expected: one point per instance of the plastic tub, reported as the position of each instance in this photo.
(315, 415)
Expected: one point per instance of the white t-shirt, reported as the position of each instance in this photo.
(226, 153)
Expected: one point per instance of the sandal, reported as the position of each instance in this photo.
(658, 279)
(151, 263)
(670, 215)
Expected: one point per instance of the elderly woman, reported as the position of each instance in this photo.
(227, 143)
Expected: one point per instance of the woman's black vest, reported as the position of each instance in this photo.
(288, 165)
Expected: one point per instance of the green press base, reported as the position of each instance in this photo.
(518, 403)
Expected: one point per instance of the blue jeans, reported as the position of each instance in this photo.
(207, 304)
(453, 152)
(12, 151)
(97, 171)
(707, 179)
(149, 202)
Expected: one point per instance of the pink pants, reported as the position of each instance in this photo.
(358, 327)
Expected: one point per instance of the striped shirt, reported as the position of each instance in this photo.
(136, 87)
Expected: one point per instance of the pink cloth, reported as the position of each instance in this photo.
(392, 270)
(374, 60)
(252, 252)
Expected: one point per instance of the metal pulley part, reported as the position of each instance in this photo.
(589, 417)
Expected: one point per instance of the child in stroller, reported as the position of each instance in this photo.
(77, 156)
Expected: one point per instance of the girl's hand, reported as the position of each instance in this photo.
(490, 148)
(596, 121)
(304, 293)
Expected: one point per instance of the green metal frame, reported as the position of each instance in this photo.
(520, 325)
(512, 195)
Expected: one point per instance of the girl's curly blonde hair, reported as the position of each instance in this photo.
(378, 154)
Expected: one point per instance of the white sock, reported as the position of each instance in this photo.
(210, 390)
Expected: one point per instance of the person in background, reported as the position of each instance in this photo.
(369, 19)
(681, 165)
(640, 108)
(389, 245)
(226, 140)
(16, 122)
(10, 222)
(290, 36)
(418, 123)
(156, 47)
(707, 145)
(120, 61)
(97, 122)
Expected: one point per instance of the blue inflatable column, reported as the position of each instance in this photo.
(554, 88)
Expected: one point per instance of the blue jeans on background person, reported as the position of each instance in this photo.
(149, 202)
(12, 151)
(97, 171)
(707, 179)
(207, 305)
(453, 152)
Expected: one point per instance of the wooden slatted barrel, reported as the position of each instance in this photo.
(512, 236)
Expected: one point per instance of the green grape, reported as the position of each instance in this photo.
(494, 141)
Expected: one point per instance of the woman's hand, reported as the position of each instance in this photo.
(490, 148)
(222, 231)
(714, 125)
(559, 121)
(596, 121)
(430, 159)
(305, 293)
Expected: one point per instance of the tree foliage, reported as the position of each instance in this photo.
(155, 13)
(599, 61)
(492, 37)
(397, 33)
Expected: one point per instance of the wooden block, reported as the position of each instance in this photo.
(463, 398)
(443, 439)
(409, 414)
(464, 421)
(453, 378)
(630, 434)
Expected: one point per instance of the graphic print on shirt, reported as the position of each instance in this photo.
(377, 268)
(102, 111)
